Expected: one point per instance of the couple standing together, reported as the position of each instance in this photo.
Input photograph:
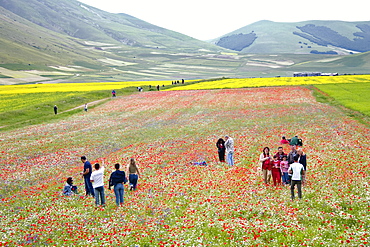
(227, 147)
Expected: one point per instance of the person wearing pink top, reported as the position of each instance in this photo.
(284, 166)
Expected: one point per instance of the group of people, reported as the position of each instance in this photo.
(226, 147)
(94, 181)
(287, 169)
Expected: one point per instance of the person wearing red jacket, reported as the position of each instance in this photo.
(265, 160)
(276, 172)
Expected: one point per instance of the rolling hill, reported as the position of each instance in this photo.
(319, 37)
(66, 41)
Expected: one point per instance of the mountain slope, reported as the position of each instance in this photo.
(335, 37)
(78, 20)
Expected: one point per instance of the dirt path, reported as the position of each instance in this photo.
(83, 106)
(77, 107)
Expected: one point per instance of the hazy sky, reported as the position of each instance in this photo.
(208, 19)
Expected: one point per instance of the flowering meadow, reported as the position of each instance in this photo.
(178, 203)
(277, 81)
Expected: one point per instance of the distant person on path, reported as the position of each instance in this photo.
(296, 170)
(284, 140)
(284, 166)
(134, 174)
(265, 160)
(157, 87)
(69, 188)
(220, 144)
(229, 146)
(86, 175)
(97, 178)
(118, 179)
(85, 109)
(55, 109)
(113, 93)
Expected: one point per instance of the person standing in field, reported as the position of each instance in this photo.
(97, 178)
(85, 108)
(86, 175)
(284, 166)
(296, 170)
(276, 172)
(280, 154)
(118, 179)
(302, 160)
(113, 93)
(221, 149)
(265, 159)
(291, 154)
(133, 174)
(55, 109)
(229, 148)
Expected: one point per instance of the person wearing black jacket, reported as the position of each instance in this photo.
(117, 179)
(221, 149)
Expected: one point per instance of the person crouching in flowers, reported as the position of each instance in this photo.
(97, 178)
(276, 172)
(134, 174)
(69, 188)
(265, 159)
(117, 179)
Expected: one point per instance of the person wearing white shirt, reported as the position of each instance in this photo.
(297, 170)
(229, 145)
(97, 179)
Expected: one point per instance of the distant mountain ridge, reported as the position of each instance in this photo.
(66, 41)
(81, 21)
(326, 37)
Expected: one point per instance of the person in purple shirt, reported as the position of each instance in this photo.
(86, 175)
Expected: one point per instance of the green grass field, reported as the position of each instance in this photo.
(354, 96)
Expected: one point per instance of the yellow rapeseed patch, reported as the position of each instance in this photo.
(268, 82)
(76, 87)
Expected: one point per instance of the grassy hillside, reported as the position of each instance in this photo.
(81, 21)
(304, 37)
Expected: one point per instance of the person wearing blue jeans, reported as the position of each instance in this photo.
(134, 174)
(133, 181)
(86, 175)
(97, 178)
(117, 179)
(229, 145)
(99, 196)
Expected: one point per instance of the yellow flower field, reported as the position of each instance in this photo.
(76, 87)
(280, 81)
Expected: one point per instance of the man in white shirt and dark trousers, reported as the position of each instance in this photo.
(98, 184)
(297, 170)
